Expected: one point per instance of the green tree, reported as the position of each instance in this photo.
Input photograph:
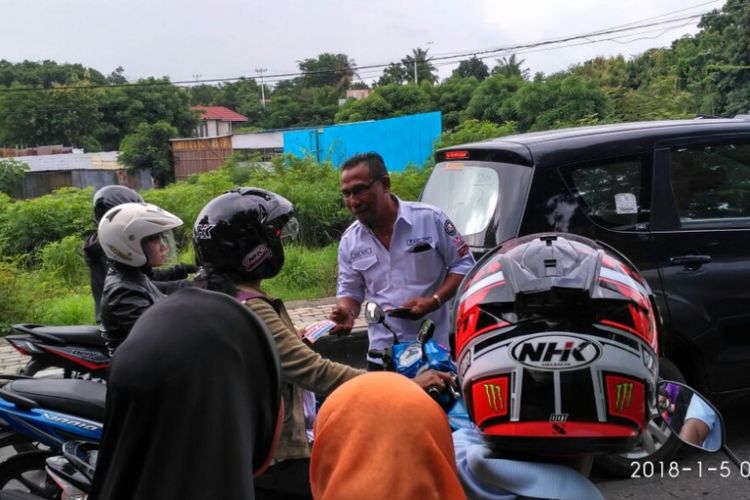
(327, 70)
(511, 67)
(724, 35)
(475, 130)
(12, 172)
(243, 96)
(658, 101)
(150, 100)
(385, 102)
(59, 115)
(452, 97)
(148, 149)
(46, 74)
(559, 102)
(205, 95)
(418, 62)
(492, 100)
(472, 67)
(117, 77)
(393, 73)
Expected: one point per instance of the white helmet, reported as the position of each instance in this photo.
(123, 228)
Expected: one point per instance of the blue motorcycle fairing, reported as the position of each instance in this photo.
(49, 427)
(408, 360)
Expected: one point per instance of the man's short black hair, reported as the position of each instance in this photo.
(374, 162)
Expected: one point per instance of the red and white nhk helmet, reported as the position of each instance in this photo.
(556, 345)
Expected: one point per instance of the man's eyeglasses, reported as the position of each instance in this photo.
(356, 191)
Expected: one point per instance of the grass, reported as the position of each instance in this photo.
(307, 274)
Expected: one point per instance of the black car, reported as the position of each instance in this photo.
(673, 196)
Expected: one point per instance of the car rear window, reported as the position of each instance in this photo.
(466, 191)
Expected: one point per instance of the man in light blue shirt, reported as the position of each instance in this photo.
(702, 426)
(396, 254)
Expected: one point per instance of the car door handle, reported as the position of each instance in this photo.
(690, 260)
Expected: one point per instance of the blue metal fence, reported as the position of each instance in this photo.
(402, 140)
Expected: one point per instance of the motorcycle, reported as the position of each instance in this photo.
(410, 358)
(79, 350)
(47, 412)
(69, 475)
(73, 471)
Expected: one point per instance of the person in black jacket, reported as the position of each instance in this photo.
(105, 199)
(193, 403)
(133, 237)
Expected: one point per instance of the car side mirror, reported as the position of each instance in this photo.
(690, 416)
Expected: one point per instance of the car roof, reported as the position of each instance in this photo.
(599, 141)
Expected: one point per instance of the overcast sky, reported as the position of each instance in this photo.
(230, 38)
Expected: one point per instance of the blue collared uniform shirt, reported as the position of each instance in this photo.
(425, 247)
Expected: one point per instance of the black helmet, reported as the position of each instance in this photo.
(240, 233)
(111, 196)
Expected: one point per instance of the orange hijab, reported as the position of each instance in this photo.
(380, 436)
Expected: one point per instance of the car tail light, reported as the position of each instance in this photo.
(457, 155)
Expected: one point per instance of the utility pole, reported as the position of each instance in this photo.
(262, 90)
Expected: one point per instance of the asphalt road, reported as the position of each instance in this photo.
(710, 475)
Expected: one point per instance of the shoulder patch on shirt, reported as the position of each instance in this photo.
(460, 245)
(450, 229)
(359, 253)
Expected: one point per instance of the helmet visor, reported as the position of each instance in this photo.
(290, 231)
(160, 249)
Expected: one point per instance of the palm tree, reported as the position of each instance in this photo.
(418, 62)
(511, 67)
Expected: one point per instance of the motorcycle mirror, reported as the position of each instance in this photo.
(373, 313)
(426, 331)
(690, 416)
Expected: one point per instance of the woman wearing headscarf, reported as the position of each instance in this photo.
(379, 436)
(193, 403)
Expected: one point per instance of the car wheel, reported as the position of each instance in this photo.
(658, 443)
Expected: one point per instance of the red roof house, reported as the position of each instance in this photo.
(217, 120)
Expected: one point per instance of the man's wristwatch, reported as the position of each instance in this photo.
(437, 299)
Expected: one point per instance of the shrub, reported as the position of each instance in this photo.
(474, 130)
(72, 309)
(18, 294)
(12, 172)
(408, 184)
(27, 225)
(186, 199)
(63, 260)
(306, 273)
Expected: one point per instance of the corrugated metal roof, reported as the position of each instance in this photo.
(84, 161)
(219, 113)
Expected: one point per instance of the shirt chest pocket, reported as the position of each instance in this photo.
(373, 276)
(423, 267)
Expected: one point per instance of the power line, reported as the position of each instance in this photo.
(449, 59)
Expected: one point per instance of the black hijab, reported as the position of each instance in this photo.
(192, 403)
